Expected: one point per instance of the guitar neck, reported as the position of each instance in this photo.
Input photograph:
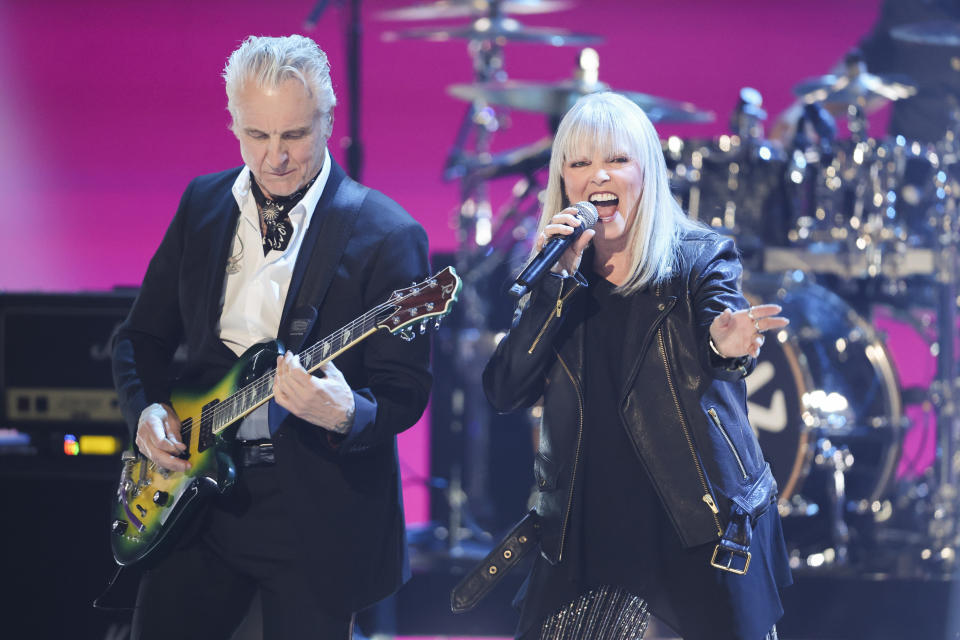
(242, 402)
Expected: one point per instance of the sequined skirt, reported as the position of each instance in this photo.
(607, 613)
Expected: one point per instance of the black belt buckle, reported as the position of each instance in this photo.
(723, 559)
(255, 453)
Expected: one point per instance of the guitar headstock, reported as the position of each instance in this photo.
(432, 298)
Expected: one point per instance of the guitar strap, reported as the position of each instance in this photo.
(337, 225)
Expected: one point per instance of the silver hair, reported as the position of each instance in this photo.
(270, 61)
(611, 124)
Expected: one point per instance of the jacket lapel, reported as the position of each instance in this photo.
(319, 222)
(647, 313)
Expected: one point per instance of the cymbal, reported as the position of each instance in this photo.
(498, 29)
(943, 33)
(520, 161)
(445, 9)
(556, 98)
(854, 88)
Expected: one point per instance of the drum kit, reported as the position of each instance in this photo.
(829, 228)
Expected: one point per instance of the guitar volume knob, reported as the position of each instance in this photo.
(160, 498)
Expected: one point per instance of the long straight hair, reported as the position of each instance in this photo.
(610, 124)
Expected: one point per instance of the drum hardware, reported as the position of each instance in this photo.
(854, 91)
(732, 182)
(747, 116)
(825, 401)
(837, 460)
(524, 161)
(875, 198)
(942, 33)
(554, 99)
(855, 87)
(354, 32)
(945, 524)
(485, 240)
(825, 259)
(448, 9)
(498, 29)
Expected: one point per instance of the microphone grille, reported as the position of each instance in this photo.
(588, 213)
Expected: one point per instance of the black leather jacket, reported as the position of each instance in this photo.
(694, 438)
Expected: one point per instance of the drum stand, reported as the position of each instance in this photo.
(468, 491)
(944, 527)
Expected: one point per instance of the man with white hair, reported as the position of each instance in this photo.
(285, 247)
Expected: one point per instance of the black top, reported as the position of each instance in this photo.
(616, 498)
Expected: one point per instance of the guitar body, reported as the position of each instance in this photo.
(152, 502)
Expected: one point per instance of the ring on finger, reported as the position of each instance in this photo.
(750, 314)
(756, 325)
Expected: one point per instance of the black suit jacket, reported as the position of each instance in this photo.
(346, 494)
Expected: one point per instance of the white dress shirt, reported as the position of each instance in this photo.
(253, 298)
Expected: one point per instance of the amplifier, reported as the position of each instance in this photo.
(56, 357)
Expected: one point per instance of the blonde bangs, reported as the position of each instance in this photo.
(597, 128)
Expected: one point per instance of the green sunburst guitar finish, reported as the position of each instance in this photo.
(152, 503)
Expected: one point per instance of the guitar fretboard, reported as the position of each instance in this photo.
(221, 415)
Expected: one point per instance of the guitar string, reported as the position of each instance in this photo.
(152, 466)
(267, 379)
(257, 386)
(213, 413)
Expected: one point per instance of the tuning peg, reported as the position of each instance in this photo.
(423, 326)
(407, 334)
(436, 322)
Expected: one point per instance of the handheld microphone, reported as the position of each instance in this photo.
(553, 249)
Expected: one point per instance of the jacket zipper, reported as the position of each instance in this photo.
(558, 309)
(576, 458)
(726, 436)
(664, 308)
(707, 498)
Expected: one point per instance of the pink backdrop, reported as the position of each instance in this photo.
(109, 107)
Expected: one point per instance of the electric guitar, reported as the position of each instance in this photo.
(152, 502)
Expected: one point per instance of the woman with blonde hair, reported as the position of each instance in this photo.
(653, 492)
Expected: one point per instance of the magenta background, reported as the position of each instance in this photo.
(109, 107)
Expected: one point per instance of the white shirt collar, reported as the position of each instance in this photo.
(241, 190)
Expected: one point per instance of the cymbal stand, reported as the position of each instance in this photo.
(837, 460)
(944, 529)
(470, 475)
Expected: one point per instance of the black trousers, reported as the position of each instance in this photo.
(247, 542)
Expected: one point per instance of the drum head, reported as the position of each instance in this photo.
(827, 375)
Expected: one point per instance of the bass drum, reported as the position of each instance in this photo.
(825, 376)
